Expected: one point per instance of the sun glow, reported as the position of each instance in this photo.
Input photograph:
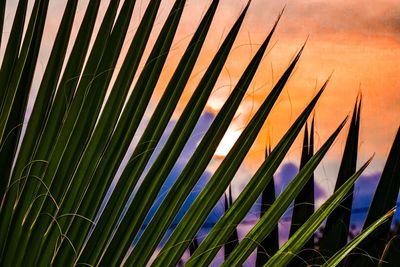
(227, 142)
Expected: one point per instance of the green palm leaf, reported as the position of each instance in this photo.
(304, 203)
(338, 223)
(215, 188)
(270, 245)
(23, 69)
(55, 178)
(197, 164)
(210, 246)
(391, 253)
(385, 198)
(263, 229)
(233, 239)
(295, 243)
(341, 254)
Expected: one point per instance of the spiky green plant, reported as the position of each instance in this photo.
(55, 177)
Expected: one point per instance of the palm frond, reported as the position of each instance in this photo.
(338, 223)
(385, 198)
(57, 206)
(269, 245)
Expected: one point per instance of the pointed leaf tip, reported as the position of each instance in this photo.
(344, 121)
(304, 44)
(359, 104)
(298, 55)
(330, 75)
(282, 11)
(278, 19)
(368, 162)
(323, 87)
(246, 7)
(391, 212)
(248, 4)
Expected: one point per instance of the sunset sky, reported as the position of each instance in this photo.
(358, 42)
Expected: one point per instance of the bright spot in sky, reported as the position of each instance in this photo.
(227, 142)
